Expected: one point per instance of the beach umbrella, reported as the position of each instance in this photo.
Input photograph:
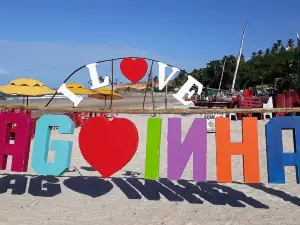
(105, 94)
(26, 87)
(78, 89)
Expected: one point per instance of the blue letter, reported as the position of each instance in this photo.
(277, 159)
(63, 149)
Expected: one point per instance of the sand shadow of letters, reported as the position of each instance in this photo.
(136, 188)
(46, 186)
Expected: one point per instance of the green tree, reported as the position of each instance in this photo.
(280, 44)
(260, 53)
(275, 48)
(268, 67)
(290, 44)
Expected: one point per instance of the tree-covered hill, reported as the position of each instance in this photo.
(276, 66)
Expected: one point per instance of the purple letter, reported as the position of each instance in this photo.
(179, 154)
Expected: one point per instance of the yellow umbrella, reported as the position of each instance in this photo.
(79, 89)
(26, 87)
(105, 94)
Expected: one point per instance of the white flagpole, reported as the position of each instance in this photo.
(238, 60)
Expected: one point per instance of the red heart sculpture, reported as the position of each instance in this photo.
(134, 70)
(108, 145)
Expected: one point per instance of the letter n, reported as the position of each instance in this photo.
(179, 153)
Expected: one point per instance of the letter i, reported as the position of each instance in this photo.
(153, 148)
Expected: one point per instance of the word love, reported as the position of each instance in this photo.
(134, 70)
(109, 145)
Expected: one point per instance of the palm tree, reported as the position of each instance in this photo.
(275, 48)
(101, 79)
(242, 58)
(267, 51)
(282, 49)
(279, 42)
(290, 44)
(260, 53)
(254, 54)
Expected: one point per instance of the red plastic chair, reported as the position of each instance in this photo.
(82, 118)
(34, 120)
(249, 103)
(73, 118)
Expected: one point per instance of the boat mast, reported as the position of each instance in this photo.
(222, 74)
(298, 69)
(238, 60)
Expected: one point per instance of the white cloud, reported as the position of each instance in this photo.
(52, 63)
(3, 71)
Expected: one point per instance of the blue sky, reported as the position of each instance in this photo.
(47, 40)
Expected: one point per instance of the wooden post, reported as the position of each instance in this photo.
(149, 111)
(152, 91)
(148, 82)
(222, 75)
(166, 99)
(112, 84)
(298, 68)
(146, 91)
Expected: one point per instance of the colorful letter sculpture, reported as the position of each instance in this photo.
(108, 145)
(63, 149)
(277, 159)
(248, 149)
(20, 149)
(153, 149)
(179, 153)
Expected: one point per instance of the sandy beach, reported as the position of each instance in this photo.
(130, 101)
(80, 196)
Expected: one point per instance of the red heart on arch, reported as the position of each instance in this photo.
(108, 145)
(134, 69)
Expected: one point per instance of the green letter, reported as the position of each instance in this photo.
(153, 148)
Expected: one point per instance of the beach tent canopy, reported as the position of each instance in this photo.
(26, 87)
(79, 89)
(115, 96)
(105, 94)
(212, 92)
